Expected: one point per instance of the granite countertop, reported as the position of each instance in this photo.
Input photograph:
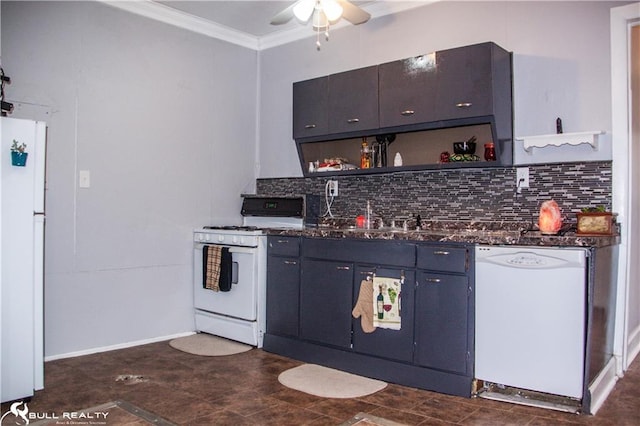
(493, 233)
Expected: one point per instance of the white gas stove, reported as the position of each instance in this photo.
(239, 312)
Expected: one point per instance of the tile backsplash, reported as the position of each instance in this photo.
(459, 194)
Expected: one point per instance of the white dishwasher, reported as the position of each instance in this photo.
(530, 318)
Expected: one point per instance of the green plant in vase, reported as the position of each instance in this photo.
(18, 155)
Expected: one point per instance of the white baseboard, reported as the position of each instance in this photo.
(633, 346)
(602, 385)
(118, 346)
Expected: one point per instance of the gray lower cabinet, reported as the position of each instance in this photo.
(432, 348)
(283, 278)
(326, 302)
(441, 321)
(392, 344)
(443, 308)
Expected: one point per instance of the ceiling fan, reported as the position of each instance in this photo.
(324, 13)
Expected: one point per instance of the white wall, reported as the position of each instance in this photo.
(561, 64)
(164, 120)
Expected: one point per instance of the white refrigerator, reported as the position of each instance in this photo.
(22, 259)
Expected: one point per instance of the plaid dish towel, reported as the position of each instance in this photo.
(211, 267)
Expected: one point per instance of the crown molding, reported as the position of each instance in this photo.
(168, 15)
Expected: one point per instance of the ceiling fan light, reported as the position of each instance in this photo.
(332, 9)
(320, 21)
(304, 9)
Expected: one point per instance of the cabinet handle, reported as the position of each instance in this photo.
(353, 120)
(342, 268)
(441, 253)
(310, 126)
(407, 112)
(290, 262)
(432, 280)
(464, 104)
(283, 241)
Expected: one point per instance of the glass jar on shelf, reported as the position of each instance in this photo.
(489, 152)
(365, 155)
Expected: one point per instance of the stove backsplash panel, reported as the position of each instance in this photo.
(458, 194)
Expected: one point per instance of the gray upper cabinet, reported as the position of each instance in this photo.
(427, 102)
(353, 100)
(407, 91)
(310, 112)
(466, 86)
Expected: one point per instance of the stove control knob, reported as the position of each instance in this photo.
(241, 239)
(220, 238)
(206, 237)
(235, 239)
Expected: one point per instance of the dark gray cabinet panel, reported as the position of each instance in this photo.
(361, 251)
(443, 258)
(353, 100)
(284, 246)
(283, 290)
(464, 82)
(310, 107)
(385, 343)
(441, 314)
(407, 91)
(326, 302)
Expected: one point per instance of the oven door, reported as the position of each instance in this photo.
(241, 300)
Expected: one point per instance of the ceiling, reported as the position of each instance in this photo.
(246, 22)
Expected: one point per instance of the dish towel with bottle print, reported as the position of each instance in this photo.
(386, 302)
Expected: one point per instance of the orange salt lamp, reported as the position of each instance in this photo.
(550, 220)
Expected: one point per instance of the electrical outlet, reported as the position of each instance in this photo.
(333, 188)
(522, 177)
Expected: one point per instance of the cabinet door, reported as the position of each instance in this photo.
(310, 107)
(325, 302)
(386, 343)
(464, 82)
(353, 100)
(442, 303)
(407, 91)
(283, 290)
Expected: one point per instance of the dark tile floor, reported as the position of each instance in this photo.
(244, 390)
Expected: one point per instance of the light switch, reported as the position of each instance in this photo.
(85, 179)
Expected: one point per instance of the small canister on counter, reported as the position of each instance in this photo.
(489, 152)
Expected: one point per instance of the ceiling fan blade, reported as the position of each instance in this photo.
(353, 13)
(285, 16)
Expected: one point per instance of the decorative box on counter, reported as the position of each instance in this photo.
(595, 223)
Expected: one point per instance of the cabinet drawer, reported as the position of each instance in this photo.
(284, 246)
(443, 258)
(361, 251)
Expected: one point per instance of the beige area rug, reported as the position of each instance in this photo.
(365, 419)
(328, 383)
(208, 345)
(115, 413)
